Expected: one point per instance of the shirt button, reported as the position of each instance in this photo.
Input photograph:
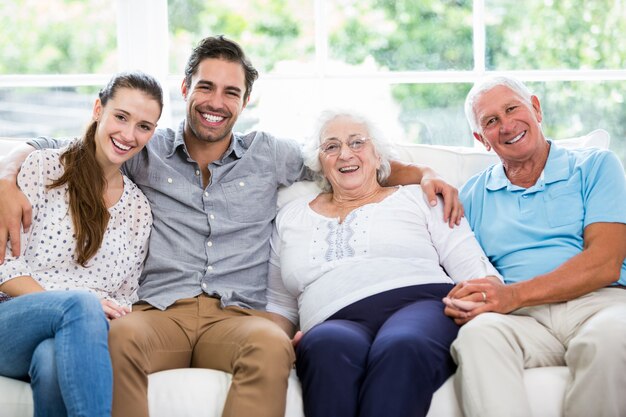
(209, 268)
(169, 180)
(206, 194)
(241, 184)
(209, 243)
(204, 285)
(211, 216)
(197, 172)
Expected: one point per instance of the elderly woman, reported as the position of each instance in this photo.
(364, 267)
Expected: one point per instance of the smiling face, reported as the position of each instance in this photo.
(125, 125)
(215, 99)
(349, 171)
(510, 125)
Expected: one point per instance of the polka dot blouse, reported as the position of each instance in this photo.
(47, 251)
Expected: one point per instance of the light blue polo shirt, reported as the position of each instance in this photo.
(529, 232)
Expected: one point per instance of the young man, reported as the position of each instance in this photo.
(213, 196)
(552, 221)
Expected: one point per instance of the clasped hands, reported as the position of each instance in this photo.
(470, 298)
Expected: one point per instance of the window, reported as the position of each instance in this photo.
(406, 63)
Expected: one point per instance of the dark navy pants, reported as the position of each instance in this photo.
(384, 355)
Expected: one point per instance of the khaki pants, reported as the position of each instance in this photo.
(197, 332)
(588, 335)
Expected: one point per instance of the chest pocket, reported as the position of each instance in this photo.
(564, 203)
(251, 198)
(167, 194)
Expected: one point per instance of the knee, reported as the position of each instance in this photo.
(400, 345)
(332, 343)
(267, 352)
(601, 338)
(83, 310)
(476, 335)
(84, 305)
(271, 343)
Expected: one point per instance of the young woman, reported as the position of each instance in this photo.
(89, 234)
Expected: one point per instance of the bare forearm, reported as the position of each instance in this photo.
(405, 174)
(20, 286)
(597, 266)
(580, 275)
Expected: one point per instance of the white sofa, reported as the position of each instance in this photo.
(202, 392)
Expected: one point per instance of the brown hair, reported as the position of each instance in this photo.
(84, 176)
(221, 48)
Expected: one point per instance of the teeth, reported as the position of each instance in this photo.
(119, 145)
(348, 169)
(212, 118)
(516, 138)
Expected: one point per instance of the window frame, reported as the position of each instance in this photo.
(143, 37)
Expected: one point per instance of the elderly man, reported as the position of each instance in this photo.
(552, 221)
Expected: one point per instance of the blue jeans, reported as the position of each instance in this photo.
(57, 340)
(384, 355)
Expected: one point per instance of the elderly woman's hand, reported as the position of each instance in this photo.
(452, 208)
(471, 298)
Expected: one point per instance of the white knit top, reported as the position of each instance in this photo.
(319, 266)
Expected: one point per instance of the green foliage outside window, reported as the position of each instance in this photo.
(269, 30)
(394, 35)
(36, 39)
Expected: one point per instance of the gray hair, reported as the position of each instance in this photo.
(487, 84)
(382, 147)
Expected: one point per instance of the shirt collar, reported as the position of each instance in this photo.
(556, 169)
(235, 148)
(179, 140)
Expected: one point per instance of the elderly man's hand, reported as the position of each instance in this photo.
(452, 208)
(15, 211)
(471, 298)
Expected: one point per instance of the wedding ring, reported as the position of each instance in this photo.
(484, 296)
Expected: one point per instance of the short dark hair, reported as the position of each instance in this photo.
(220, 47)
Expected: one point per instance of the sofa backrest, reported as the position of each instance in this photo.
(6, 144)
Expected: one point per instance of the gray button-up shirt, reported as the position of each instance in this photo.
(214, 239)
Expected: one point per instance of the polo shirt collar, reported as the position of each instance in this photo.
(235, 148)
(556, 169)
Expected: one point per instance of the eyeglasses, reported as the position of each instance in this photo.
(333, 147)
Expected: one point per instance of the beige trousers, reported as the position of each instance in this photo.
(198, 333)
(587, 334)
